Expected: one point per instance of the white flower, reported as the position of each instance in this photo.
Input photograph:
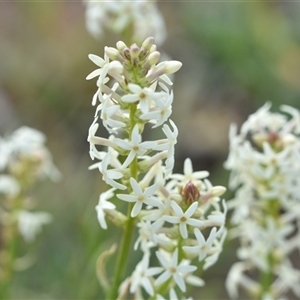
(161, 111)
(188, 174)
(146, 236)
(30, 223)
(109, 117)
(26, 140)
(135, 146)
(173, 269)
(9, 186)
(203, 247)
(100, 62)
(103, 205)
(237, 277)
(92, 131)
(183, 218)
(141, 274)
(140, 197)
(28, 143)
(142, 17)
(143, 95)
(157, 215)
(288, 278)
(109, 175)
(169, 145)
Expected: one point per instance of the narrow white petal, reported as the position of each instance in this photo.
(177, 209)
(94, 74)
(127, 198)
(199, 236)
(162, 260)
(128, 160)
(180, 282)
(171, 219)
(183, 230)
(96, 60)
(175, 257)
(130, 98)
(135, 136)
(135, 187)
(194, 222)
(136, 209)
(162, 278)
(191, 249)
(187, 167)
(191, 210)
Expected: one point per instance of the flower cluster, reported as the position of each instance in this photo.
(24, 159)
(179, 216)
(265, 168)
(135, 19)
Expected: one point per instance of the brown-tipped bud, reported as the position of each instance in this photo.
(190, 193)
(147, 44)
(126, 53)
(121, 46)
(153, 58)
(134, 51)
(112, 53)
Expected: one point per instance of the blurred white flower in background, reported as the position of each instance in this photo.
(265, 172)
(138, 19)
(30, 223)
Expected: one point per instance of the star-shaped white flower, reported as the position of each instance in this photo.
(162, 111)
(146, 236)
(173, 269)
(100, 62)
(134, 145)
(140, 197)
(103, 205)
(169, 145)
(183, 218)
(143, 95)
(203, 246)
(94, 153)
(189, 174)
(109, 116)
(141, 276)
(110, 175)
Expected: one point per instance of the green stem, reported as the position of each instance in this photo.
(8, 256)
(123, 255)
(128, 232)
(266, 278)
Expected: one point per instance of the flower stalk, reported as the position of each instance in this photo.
(264, 164)
(24, 161)
(132, 96)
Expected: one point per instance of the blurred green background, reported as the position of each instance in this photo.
(236, 56)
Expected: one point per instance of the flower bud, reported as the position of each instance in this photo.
(121, 46)
(153, 58)
(153, 48)
(126, 53)
(218, 191)
(134, 51)
(172, 66)
(112, 53)
(115, 67)
(190, 193)
(148, 43)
